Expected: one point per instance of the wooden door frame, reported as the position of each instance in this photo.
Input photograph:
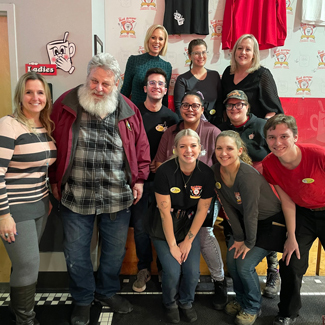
(9, 11)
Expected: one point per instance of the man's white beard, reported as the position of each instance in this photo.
(102, 107)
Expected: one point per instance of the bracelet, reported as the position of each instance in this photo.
(3, 218)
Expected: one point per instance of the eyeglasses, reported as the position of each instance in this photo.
(203, 53)
(238, 106)
(186, 106)
(154, 83)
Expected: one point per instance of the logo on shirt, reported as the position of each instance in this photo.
(308, 180)
(195, 192)
(175, 190)
(161, 127)
(238, 197)
(179, 18)
(251, 136)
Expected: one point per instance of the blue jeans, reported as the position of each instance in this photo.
(210, 249)
(178, 281)
(141, 238)
(245, 278)
(78, 230)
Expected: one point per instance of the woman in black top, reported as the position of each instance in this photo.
(246, 73)
(184, 189)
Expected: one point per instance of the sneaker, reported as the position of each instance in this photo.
(220, 298)
(272, 286)
(232, 308)
(279, 320)
(189, 314)
(116, 303)
(80, 315)
(172, 315)
(143, 277)
(244, 318)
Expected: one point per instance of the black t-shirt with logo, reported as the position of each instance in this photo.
(170, 180)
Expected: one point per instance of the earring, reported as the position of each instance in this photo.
(174, 152)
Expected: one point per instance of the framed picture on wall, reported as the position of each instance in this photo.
(98, 44)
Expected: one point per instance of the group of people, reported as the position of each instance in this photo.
(107, 159)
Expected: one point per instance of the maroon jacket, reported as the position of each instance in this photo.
(66, 116)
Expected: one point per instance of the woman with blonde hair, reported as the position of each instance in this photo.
(26, 150)
(184, 188)
(248, 201)
(246, 73)
(155, 44)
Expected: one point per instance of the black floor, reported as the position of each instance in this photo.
(54, 308)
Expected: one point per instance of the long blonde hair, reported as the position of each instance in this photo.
(239, 144)
(45, 112)
(256, 55)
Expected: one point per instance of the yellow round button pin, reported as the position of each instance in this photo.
(218, 185)
(308, 180)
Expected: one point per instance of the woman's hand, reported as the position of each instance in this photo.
(176, 253)
(240, 248)
(8, 228)
(185, 247)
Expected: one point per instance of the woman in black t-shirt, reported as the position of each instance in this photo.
(184, 187)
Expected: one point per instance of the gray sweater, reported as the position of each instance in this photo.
(249, 200)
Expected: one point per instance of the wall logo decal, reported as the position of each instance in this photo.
(127, 25)
(281, 59)
(289, 4)
(321, 58)
(303, 85)
(148, 5)
(60, 53)
(141, 50)
(216, 29)
(307, 33)
(187, 60)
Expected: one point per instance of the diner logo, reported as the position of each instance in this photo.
(127, 25)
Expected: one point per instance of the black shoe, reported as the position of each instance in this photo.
(189, 314)
(220, 298)
(116, 303)
(279, 320)
(172, 315)
(80, 315)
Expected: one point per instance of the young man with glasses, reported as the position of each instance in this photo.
(156, 119)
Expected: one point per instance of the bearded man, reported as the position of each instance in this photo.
(103, 160)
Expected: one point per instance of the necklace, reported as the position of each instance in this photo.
(185, 183)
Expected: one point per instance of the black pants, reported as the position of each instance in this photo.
(309, 226)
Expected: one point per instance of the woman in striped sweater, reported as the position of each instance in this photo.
(26, 151)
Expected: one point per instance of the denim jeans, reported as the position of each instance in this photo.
(141, 238)
(78, 230)
(245, 278)
(210, 249)
(178, 281)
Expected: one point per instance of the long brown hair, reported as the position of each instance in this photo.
(45, 112)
